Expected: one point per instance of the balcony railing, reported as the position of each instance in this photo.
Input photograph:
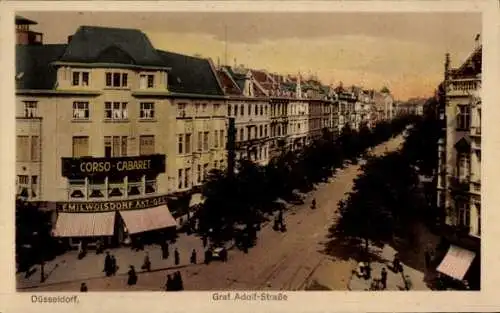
(464, 87)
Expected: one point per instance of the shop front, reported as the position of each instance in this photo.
(112, 200)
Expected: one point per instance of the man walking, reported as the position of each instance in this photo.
(193, 257)
(176, 257)
(108, 264)
(384, 278)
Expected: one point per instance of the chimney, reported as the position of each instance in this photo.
(70, 38)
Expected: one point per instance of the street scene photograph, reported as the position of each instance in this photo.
(227, 152)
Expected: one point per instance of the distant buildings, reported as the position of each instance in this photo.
(110, 130)
(459, 171)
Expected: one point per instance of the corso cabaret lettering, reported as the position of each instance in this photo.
(133, 165)
(95, 167)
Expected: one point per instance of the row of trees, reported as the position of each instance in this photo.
(388, 198)
(246, 196)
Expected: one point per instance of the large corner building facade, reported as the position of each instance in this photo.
(110, 130)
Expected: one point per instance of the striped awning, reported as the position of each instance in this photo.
(85, 224)
(138, 221)
(456, 263)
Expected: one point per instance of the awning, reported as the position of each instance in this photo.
(85, 224)
(456, 263)
(196, 199)
(138, 221)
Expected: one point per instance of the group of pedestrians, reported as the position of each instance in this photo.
(174, 282)
(110, 266)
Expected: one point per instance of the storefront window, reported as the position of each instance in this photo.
(96, 187)
(116, 187)
(76, 188)
(150, 184)
(134, 185)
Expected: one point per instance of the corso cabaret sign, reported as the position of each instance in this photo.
(110, 166)
(107, 206)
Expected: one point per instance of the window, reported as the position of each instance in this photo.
(147, 110)
(200, 141)
(150, 184)
(22, 147)
(221, 138)
(242, 134)
(35, 148)
(261, 110)
(151, 81)
(229, 110)
(116, 79)
(81, 110)
(34, 186)
(115, 146)
(23, 179)
(116, 187)
(265, 131)
(180, 144)
(463, 166)
(187, 178)
(135, 185)
(242, 110)
(146, 144)
(261, 131)
(216, 139)
(198, 174)
(205, 141)
(115, 110)
(181, 110)
(216, 108)
(179, 178)
(30, 109)
(204, 107)
(205, 171)
(80, 146)
(463, 213)
(188, 143)
(80, 79)
(463, 117)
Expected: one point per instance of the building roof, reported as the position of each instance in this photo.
(189, 74)
(33, 65)
(24, 21)
(93, 44)
(228, 84)
(471, 67)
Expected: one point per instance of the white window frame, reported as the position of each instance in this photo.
(80, 82)
(81, 110)
(147, 111)
(114, 110)
(30, 108)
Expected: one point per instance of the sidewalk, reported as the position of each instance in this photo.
(67, 267)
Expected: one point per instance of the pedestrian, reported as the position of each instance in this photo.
(178, 281)
(208, 255)
(176, 257)
(277, 224)
(80, 250)
(107, 264)
(114, 267)
(147, 263)
(98, 247)
(205, 241)
(169, 283)
(384, 278)
(164, 250)
(223, 254)
(368, 271)
(427, 259)
(132, 276)
(83, 287)
(193, 257)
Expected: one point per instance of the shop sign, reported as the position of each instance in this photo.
(106, 206)
(88, 166)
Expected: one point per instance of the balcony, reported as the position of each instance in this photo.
(463, 87)
(475, 131)
(476, 144)
(459, 185)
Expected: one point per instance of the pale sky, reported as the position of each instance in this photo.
(404, 51)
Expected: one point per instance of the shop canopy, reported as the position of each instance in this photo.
(85, 224)
(456, 263)
(138, 221)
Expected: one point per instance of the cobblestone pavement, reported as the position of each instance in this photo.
(279, 261)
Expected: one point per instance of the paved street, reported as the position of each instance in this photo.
(280, 261)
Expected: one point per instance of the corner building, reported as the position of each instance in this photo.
(110, 130)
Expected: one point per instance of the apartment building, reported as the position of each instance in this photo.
(459, 171)
(320, 108)
(346, 102)
(109, 130)
(248, 104)
(297, 114)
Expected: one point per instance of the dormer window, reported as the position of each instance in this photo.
(116, 79)
(80, 78)
(146, 81)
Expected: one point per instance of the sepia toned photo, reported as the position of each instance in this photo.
(247, 154)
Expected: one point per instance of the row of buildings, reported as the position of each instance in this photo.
(459, 169)
(107, 123)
